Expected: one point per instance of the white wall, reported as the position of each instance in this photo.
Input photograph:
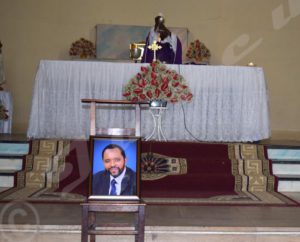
(236, 32)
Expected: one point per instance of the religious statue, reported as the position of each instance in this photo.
(169, 50)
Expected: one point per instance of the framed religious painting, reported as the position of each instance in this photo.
(113, 41)
(115, 168)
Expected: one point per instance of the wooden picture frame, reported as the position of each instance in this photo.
(114, 158)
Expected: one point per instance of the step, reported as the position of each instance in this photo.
(286, 162)
(288, 169)
(7, 180)
(14, 148)
(56, 233)
(289, 183)
(286, 166)
(11, 163)
(2, 189)
(284, 153)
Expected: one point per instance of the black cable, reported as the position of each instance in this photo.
(184, 121)
(185, 126)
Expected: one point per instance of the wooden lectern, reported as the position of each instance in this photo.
(114, 131)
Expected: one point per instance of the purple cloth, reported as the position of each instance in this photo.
(165, 54)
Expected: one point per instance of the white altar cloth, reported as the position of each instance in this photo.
(230, 103)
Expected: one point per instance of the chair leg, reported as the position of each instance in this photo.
(84, 224)
(140, 225)
(92, 238)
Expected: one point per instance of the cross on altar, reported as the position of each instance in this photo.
(155, 47)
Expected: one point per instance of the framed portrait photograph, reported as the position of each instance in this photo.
(115, 168)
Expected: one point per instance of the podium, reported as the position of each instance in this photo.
(90, 227)
(114, 131)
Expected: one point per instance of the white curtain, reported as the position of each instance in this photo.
(6, 100)
(230, 103)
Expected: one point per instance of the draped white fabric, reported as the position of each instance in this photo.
(6, 100)
(230, 103)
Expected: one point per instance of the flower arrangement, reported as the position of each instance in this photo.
(198, 52)
(83, 48)
(156, 82)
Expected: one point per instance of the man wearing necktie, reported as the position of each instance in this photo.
(117, 179)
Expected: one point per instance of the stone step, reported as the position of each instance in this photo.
(7, 180)
(14, 148)
(286, 166)
(289, 177)
(58, 233)
(11, 160)
(11, 163)
(2, 189)
(288, 169)
(286, 162)
(289, 184)
(284, 153)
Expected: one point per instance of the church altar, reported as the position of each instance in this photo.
(230, 103)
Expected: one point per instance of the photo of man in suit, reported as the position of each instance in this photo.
(116, 178)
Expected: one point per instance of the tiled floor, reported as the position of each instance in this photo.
(231, 216)
(293, 195)
(3, 189)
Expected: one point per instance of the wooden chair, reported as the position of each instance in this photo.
(89, 227)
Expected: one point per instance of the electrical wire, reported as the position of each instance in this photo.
(185, 126)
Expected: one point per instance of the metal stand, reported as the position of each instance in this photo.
(157, 113)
